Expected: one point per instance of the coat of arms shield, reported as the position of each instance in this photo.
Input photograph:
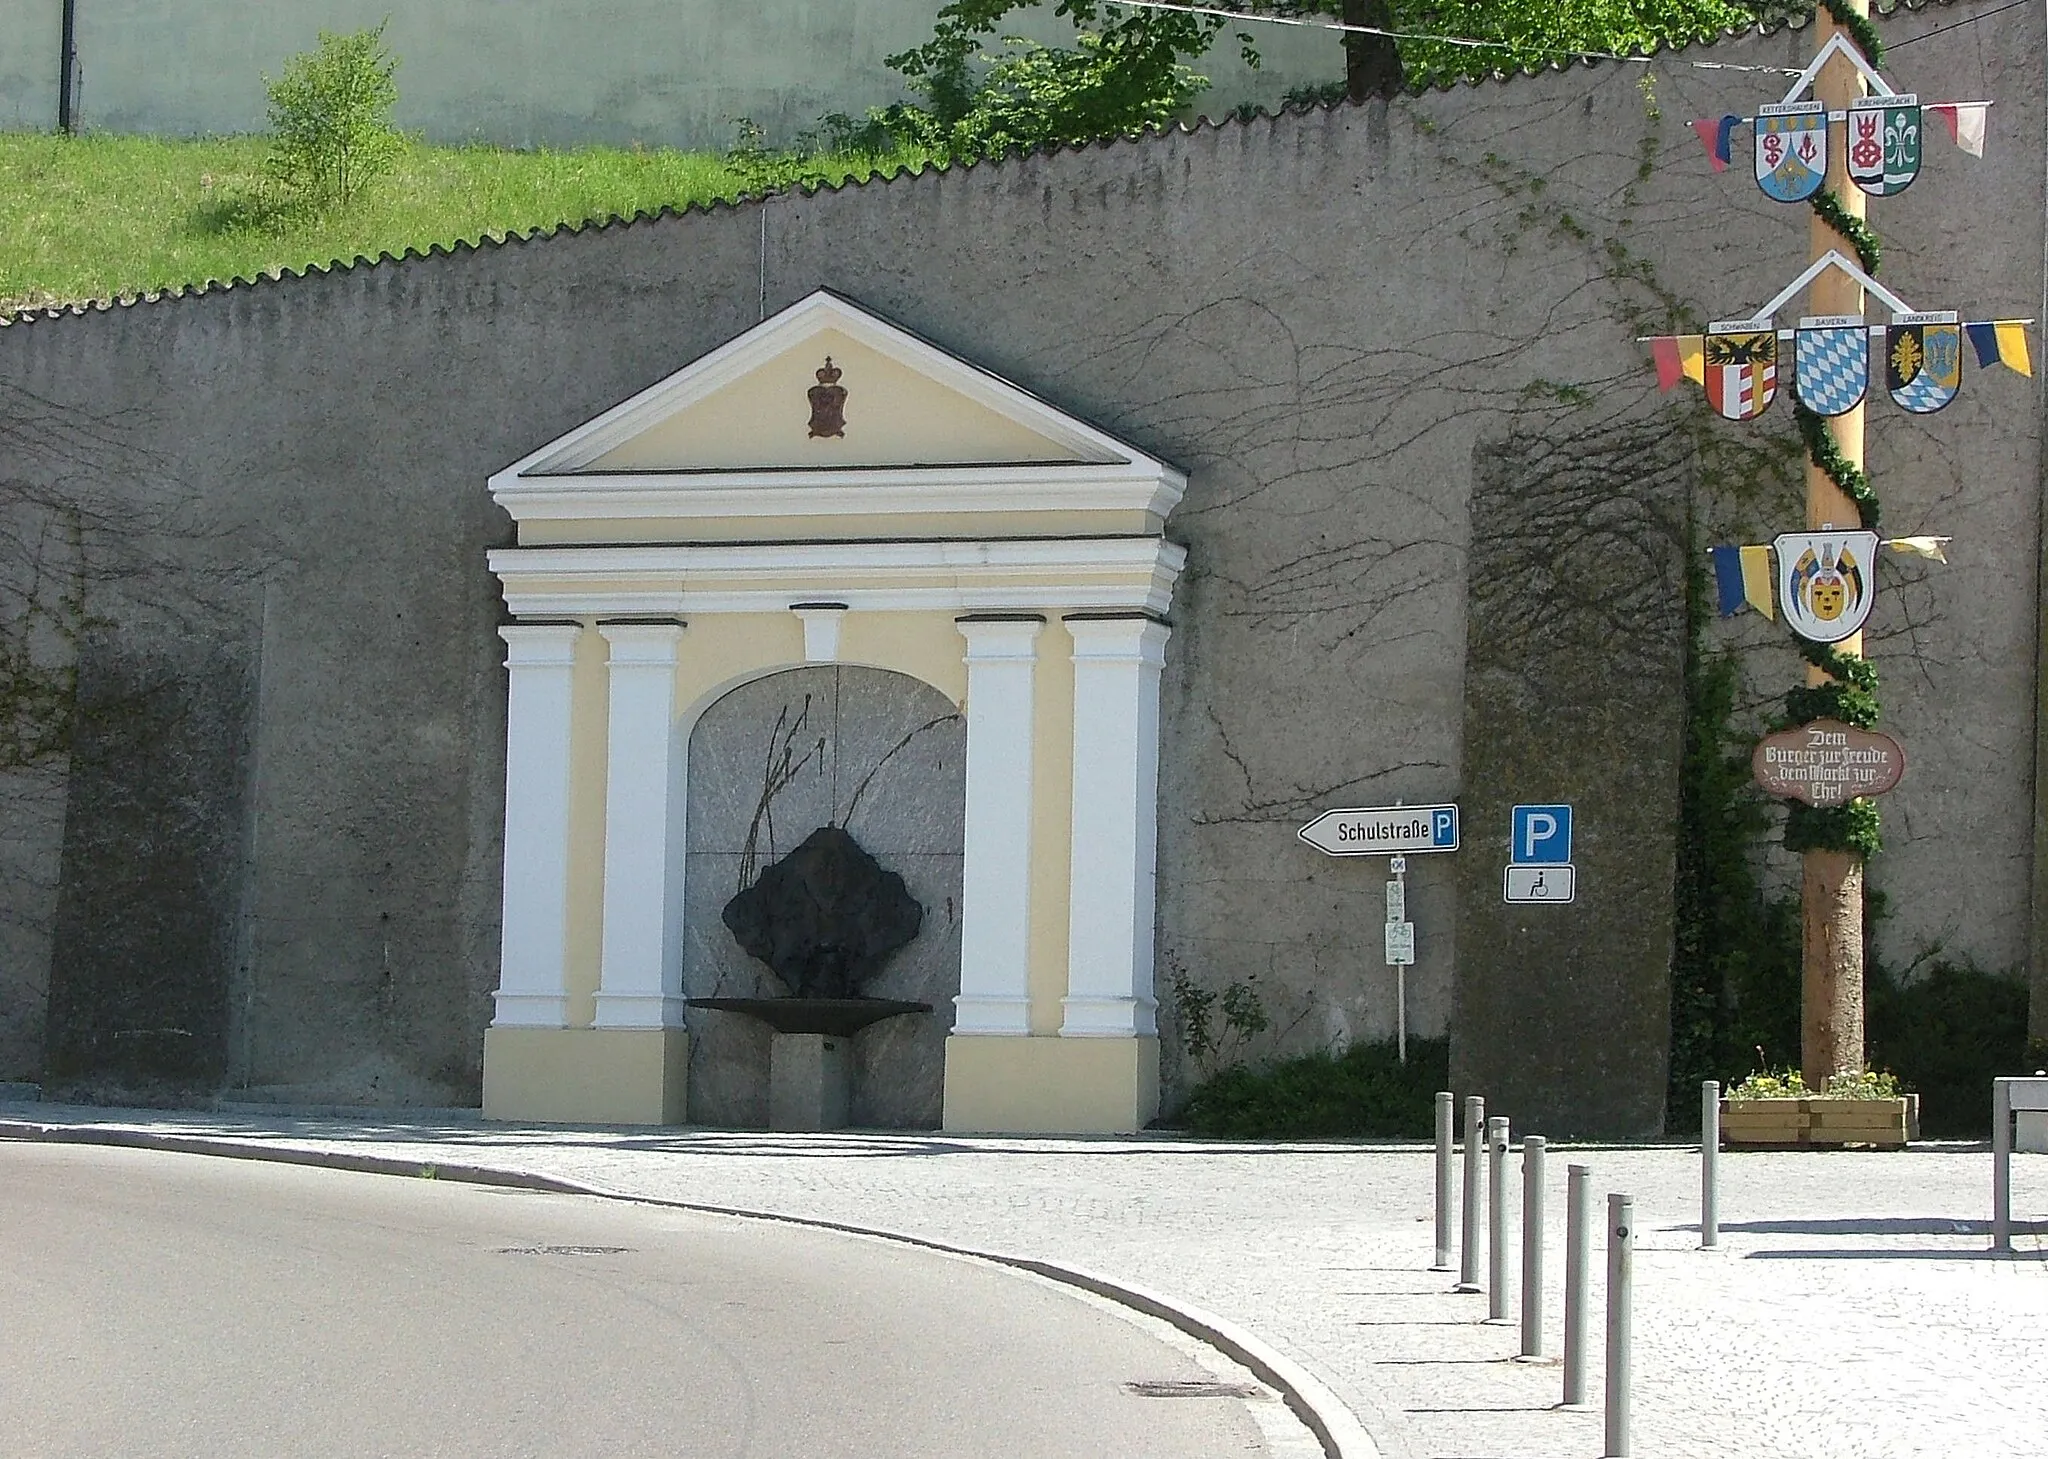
(1791, 149)
(1923, 360)
(1741, 367)
(1826, 581)
(1831, 363)
(1884, 143)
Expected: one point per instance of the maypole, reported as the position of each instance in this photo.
(1839, 135)
(1831, 879)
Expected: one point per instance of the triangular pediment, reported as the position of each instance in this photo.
(748, 406)
(828, 411)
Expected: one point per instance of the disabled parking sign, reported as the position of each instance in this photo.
(1540, 866)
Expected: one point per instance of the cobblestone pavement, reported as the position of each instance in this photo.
(1852, 1309)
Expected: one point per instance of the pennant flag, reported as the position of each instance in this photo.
(1929, 547)
(1965, 123)
(1714, 137)
(1742, 575)
(1679, 357)
(2001, 342)
(1756, 579)
(1727, 580)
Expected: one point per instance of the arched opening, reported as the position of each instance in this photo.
(882, 756)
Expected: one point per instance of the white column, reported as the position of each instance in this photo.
(640, 977)
(532, 978)
(1117, 662)
(995, 902)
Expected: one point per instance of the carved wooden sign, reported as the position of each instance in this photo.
(1827, 763)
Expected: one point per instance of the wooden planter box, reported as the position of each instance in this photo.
(1800, 1124)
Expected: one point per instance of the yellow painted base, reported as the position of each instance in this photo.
(586, 1076)
(1050, 1086)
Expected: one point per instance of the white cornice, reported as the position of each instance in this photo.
(1128, 573)
(701, 495)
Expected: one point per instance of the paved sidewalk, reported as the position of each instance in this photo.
(1852, 1310)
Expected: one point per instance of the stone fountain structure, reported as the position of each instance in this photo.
(825, 919)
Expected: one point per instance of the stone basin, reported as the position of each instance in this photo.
(833, 1017)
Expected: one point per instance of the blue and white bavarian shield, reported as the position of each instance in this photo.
(1791, 149)
(1923, 360)
(1831, 363)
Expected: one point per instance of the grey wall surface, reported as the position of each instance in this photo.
(1365, 333)
(529, 73)
(882, 756)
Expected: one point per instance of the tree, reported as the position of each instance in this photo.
(1127, 71)
(1131, 69)
(330, 118)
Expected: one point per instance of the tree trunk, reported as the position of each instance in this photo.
(1372, 63)
(1831, 1033)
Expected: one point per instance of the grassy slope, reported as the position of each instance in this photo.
(91, 217)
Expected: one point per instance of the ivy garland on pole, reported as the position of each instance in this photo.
(1850, 695)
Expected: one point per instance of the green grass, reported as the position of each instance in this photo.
(92, 217)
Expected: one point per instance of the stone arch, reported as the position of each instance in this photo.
(771, 759)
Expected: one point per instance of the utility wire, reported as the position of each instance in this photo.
(1447, 40)
(1955, 25)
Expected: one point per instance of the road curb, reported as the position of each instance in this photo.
(1337, 1429)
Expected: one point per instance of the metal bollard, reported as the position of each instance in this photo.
(1532, 1246)
(1710, 1163)
(1578, 1261)
(1446, 1117)
(1621, 1245)
(1496, 1220)
(1468, 1226)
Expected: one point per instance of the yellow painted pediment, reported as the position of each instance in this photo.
(892, 414)
(821, 416)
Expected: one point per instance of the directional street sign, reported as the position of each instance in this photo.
(1542, 835)
(1381, 830)
(1397, 900)
(1539, 885)
(1400, 944)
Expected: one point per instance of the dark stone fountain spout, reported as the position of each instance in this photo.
(825, 919)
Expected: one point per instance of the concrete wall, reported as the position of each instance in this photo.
(530, 73)
(1366, 333)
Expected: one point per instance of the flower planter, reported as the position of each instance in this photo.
(1814, 1122)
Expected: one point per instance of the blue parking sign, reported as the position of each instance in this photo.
(1542, 835)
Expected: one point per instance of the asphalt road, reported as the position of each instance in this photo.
(155, 1304)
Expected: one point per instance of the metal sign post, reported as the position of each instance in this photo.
(1400, 948)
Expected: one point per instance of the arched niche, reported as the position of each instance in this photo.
(882, 755)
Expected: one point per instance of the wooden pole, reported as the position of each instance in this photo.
(1831, 901)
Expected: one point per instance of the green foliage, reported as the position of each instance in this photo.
(1031, 95)
(330, 119)
(1530, 36)
(1825, 453)
(1126, 72)
(1363, 1092)
(1948, 1033)
(1209, 1041)
(1851, 827)
(96, 215)
(1852, 229)
(1791, 1084)
(1733, 963)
